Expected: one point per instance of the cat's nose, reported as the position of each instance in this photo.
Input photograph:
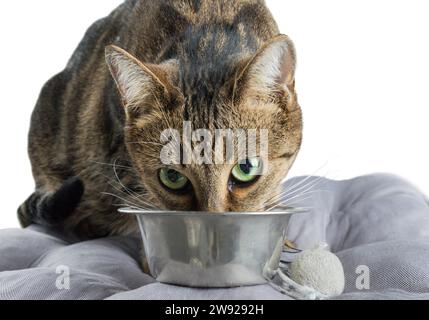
(213, 204)
(215, 209)
(211, 195)
(212, 207)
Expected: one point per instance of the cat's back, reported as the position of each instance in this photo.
(147, 27)
(78, 121)
(209, 11)
(197, 11)
(80, 106)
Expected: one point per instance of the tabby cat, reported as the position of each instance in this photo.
(94, 141)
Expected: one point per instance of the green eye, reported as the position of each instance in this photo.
(173, 180)
(247, 171)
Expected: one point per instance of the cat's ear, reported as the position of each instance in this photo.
(139, 83)
(271, 69)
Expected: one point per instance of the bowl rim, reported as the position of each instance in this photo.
(280, 211)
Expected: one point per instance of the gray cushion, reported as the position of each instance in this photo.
(377, 221)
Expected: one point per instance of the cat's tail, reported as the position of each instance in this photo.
(52, 209)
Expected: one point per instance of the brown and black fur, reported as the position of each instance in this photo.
(80, 128)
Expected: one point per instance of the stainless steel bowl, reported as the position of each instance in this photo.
(199, 249)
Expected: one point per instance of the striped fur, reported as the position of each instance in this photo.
(205, 54)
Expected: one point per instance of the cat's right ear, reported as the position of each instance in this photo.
(139, 84)
(271, 70)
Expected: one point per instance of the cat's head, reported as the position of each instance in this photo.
(257, 94)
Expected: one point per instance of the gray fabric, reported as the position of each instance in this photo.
(377, 221)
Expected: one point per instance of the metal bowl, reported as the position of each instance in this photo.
(200, 249)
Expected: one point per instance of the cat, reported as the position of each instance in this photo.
(94, 140)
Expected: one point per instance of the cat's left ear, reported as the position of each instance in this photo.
(271, 69)
(139, 83)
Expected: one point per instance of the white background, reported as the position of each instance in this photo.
(362, 80)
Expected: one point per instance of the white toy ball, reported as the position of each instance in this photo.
(320, 270)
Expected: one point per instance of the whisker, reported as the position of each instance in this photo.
(126, 194)
(294, 187)
(122, 205)
(127, 202)
(310, 184)
(136, 200)
(311, 175)
(129, 192)
(290, 188)
(291, 204)
(111, 165)
(304, 192)
(119, 180)
(301, 195)
(146, 142)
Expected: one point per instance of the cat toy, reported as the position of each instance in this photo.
(315, 274)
